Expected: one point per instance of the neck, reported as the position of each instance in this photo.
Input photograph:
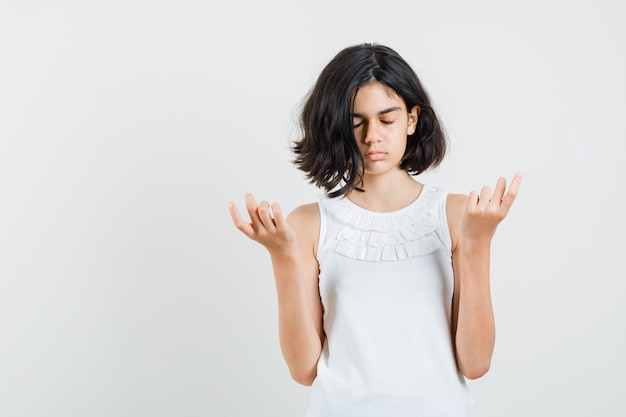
(386, 193)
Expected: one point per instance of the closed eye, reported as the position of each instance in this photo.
(359, 124)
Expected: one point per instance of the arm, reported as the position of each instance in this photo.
(291, 244)
(473, 221)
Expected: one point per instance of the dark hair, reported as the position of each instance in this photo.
(328, 151)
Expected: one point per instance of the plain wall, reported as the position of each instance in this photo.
(126, 127)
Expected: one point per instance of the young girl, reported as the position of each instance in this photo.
(383, 284)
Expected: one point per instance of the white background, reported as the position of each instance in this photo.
(127, 127)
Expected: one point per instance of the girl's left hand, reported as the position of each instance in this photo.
(484, 211)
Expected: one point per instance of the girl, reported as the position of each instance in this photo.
(383, 284)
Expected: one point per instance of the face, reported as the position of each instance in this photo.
(381, 125)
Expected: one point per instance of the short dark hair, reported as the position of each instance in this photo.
(327, 150)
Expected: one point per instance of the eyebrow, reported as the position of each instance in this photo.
(380, 113)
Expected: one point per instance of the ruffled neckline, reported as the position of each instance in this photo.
(388, 236)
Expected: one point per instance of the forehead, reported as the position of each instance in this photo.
(374, 95)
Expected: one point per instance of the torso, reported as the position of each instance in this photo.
(371, 294)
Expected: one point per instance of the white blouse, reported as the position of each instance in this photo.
(386, 285)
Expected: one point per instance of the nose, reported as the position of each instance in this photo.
(372, 133)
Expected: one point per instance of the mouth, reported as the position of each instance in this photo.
(375, 155)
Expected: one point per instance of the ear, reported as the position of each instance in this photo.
(413, 116)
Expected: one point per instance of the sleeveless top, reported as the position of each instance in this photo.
(386, 286)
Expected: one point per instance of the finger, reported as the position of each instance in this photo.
(498, 192)
(279, 218)
(472, 200)
(253, 211)
(239, 222)
(266, 216)
(510, 196)
(485, 196)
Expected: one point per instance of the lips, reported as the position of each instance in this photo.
(375, 155)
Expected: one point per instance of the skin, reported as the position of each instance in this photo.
(381, 126)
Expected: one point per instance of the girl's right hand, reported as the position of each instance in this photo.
(270, 229)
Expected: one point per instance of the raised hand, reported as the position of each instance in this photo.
(484, 211)
(269, 228)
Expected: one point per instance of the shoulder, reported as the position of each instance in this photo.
(455, 204)
(305, 213)
(305, 221)
(455, 207)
